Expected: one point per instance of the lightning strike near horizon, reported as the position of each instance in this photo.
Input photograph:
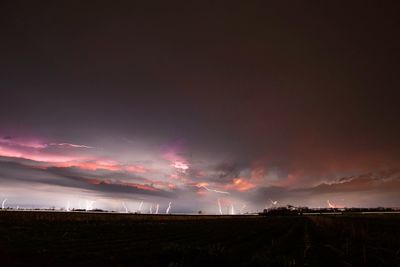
(232, 210)
(332, 206)
(89, 204)
(274, 203)
(3, 203)
(168, 209)
(219, 206)
(126, 209)
(140, 206)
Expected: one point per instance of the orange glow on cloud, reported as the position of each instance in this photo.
(240, 184)
(102, 165)
(201, 184)
(89, 165)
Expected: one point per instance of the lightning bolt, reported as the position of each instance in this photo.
(219, 206)
(2, 203)
(140, 206)
(126, 209)
(69, 145)
(89, 204)
(274, 202)
(157, 208)
(330, 204)
(213, 190)
(169, 207)
(232, 209)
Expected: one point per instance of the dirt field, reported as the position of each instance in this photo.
(81, 239)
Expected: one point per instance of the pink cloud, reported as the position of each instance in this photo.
(36, 151)
(36, 144)
(180, 165)
(34, 155)
(94, 165)
(22, 143)
(173, 154)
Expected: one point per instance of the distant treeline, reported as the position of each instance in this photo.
(291, 210)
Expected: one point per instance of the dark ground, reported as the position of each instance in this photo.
(75, 239)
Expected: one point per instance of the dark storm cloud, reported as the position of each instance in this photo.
(385, 181)
(222, 173)
(94, 174)
(386, 184)
(227, 170)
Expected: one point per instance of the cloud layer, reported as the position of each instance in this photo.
(173, 175)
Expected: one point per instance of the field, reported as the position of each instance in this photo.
(79, 239)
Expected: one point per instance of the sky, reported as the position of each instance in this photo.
(218, 106)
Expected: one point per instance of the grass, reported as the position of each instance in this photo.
(65, 239)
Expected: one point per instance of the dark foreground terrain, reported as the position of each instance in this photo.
(76, 239)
